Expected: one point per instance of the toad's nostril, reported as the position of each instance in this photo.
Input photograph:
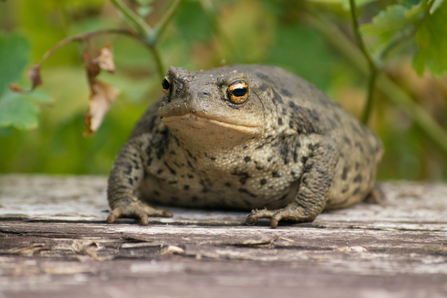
(203, 94)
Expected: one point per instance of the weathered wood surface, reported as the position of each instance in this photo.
(54, 243)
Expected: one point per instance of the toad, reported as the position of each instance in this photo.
(248, 137)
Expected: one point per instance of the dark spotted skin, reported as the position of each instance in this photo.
(287, 150)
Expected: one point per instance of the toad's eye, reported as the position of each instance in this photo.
(238, 92)
(166, 83)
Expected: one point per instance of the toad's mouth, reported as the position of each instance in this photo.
(193, 120)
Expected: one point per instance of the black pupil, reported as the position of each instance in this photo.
(165, 84)
(240, 91)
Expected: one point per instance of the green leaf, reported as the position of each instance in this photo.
(13, 58)
(393, 24)
(391, 19)
(431, 38)
(17, 110)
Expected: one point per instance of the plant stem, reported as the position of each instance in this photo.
(160, 66)
(133, 19)
(81, 36)
(165, 20)
(146, 34)
(395, 93)
(372, 65)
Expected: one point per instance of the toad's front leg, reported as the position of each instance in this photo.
(313, 191)
(124, 180)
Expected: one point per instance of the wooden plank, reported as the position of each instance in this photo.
(54, 242)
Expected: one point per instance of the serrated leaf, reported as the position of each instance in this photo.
(395, 22)
(391, 19)
(17, 110)
(415, 13)
(13, 58)
(431, 39)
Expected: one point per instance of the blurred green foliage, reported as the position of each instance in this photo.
(202, 35)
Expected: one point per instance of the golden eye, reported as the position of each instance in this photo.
(166, 83)
(238, 92)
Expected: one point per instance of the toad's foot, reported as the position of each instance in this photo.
(291, 212)
(138, 210)
(376, 196)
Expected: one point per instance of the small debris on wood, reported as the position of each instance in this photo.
(173, 250)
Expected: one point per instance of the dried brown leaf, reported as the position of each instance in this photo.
(105, 59)
(14, 87)
(34, 76)
(102, 97)
(92, 68)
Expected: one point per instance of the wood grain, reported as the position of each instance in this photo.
(54, 243)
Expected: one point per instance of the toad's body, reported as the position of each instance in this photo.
(244, 137)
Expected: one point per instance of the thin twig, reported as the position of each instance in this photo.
(133, 19)
(82, 36)
(157, 56)
(372, 65)
(149, 36)
(165, 20)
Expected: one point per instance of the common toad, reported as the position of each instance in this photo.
(248, 137)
